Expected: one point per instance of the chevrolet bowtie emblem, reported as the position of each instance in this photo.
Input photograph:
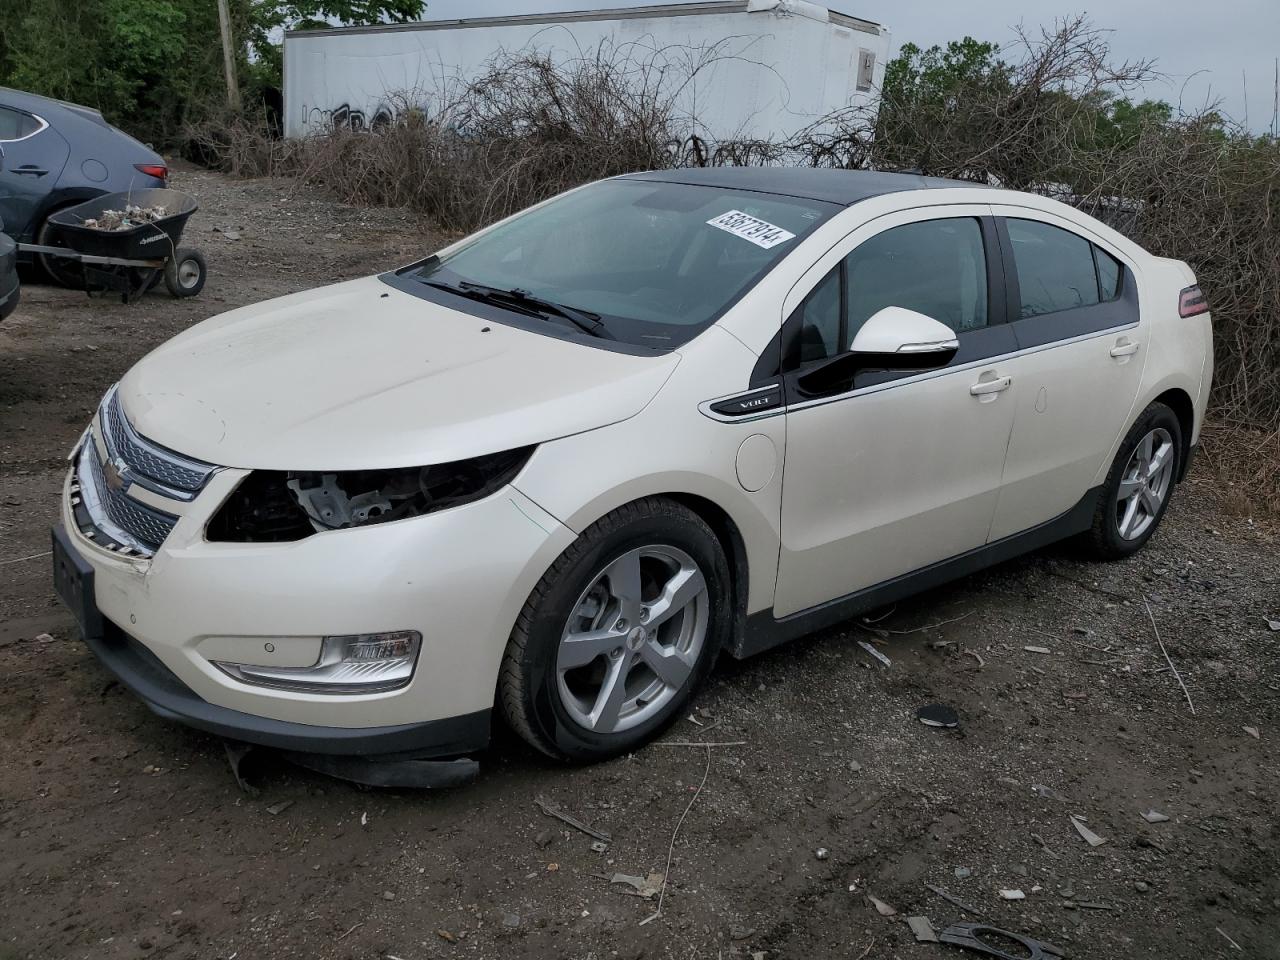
(116, 474)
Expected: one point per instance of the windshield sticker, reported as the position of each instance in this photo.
(760, 232)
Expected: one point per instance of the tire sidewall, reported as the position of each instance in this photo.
(1155, 416)
(549, 714)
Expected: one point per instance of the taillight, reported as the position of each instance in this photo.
(157, 170)
(1192, 302)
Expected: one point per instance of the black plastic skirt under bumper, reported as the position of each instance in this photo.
(329, 749)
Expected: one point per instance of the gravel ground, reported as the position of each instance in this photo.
(124, 835)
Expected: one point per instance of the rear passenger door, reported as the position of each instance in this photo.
(1073, 307)
(34, 155)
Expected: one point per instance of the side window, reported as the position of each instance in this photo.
(1109, 274)
(1055, 268)
(820, 335)
(14, 124)
(935, 267)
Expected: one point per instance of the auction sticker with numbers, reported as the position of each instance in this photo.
(760, 232)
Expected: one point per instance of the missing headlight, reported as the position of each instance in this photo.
(274, 506)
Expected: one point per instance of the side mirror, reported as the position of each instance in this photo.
(905, 340)
(894, 338)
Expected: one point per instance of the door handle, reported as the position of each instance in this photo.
(1124, 348)
(987, 387)
(30, 171)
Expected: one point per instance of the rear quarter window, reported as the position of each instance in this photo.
(15, 125)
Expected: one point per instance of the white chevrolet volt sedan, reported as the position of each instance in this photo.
(555, 470)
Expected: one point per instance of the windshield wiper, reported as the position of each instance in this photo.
(525, 302)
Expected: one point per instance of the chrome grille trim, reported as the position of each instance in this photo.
(150, 465)
(125, 524)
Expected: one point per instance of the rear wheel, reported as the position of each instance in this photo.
(1139, 485)
(618, 634)
(184, 272)
(65, 273)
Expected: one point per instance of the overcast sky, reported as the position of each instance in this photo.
(1209, 51)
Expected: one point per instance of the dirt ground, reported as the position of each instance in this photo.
(123, 835)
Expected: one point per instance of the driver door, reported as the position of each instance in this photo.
(890, 472)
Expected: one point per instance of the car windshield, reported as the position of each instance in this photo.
(651, 263)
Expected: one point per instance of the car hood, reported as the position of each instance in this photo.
(362, 376)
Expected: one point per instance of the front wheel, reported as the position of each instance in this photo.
(618, 634)
(1139, 485)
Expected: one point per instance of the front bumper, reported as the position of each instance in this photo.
(458, 577)
(156, 685)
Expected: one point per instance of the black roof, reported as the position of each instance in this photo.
(844, 187)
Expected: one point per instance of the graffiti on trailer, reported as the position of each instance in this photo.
(346, 117)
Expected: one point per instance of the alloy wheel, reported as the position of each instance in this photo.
(1145, 484)
(633, 638)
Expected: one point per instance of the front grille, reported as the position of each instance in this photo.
(102, 488)
(163, 471)
(144, 524)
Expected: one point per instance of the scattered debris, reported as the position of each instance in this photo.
(114, 221)
(278, 808)
(822, 853)
(875, 653)
(929, 626)
(1274, 627)
(963, 873)
(671, 847)
(938, 715)
(955, 901)
(1228, 939)
(1093, 905)
(364, 818)
(1177, 676)
(882, 908)
(543, 839)
(1253, 732)
(446, 936)
(1044, 846)
(1086, 834)
(704, 743)
(599, 846)
(647, 887)
(553, 811)
(1154, 816)
(973, 653)
(388, 895)
(1141, 886)
(42, 638)
(1047, 792)
(739, 932)
(1012, 895)
(975, 936)
(1040, 650)
(923, 929)
(236, 752)
(854, 766)
(351, 930)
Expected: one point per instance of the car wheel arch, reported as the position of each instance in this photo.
(1180, 402)
(711, 511)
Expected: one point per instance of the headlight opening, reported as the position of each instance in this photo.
(274, 506)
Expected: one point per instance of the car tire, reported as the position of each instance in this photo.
(1137, 490)
(65, 273)
(618, 633)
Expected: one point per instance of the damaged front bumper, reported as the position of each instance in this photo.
(400, 755)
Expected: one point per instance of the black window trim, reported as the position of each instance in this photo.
(41, 123)
(1072, 323)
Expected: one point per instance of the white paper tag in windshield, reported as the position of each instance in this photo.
(760, 232)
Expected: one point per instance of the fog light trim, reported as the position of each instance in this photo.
(349, 664)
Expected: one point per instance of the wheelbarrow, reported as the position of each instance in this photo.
(133, 260)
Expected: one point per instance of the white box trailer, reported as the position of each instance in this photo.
(780, 64)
